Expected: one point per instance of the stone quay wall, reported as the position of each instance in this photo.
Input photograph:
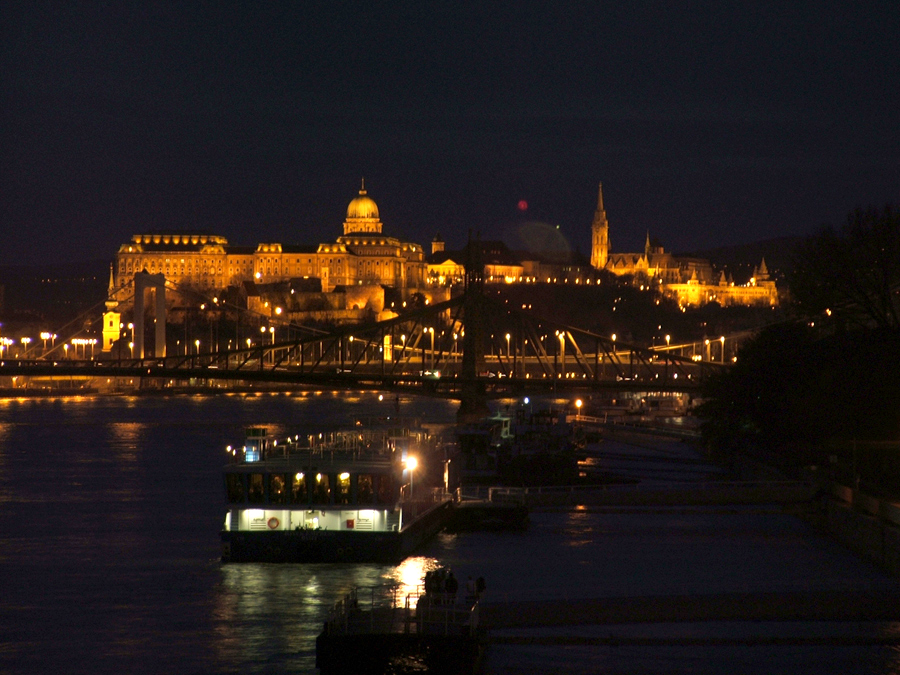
(867, 525)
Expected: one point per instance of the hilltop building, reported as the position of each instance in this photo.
(347, 275)
(345, 281)
(691, 281)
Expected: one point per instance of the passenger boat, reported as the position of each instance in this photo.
(343, 496)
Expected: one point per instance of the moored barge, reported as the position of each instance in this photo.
(343, 496)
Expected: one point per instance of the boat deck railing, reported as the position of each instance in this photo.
(484, 493)
(359, 443)
(386, 610)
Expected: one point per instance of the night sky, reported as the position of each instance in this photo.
(709, 124)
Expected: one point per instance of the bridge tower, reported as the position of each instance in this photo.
(157, 283)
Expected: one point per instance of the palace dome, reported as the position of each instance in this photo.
(362, 207)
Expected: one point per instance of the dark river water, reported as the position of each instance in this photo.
(110, 509)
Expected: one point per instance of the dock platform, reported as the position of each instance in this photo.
(370, 629)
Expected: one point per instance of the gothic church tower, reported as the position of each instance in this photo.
(599, 235)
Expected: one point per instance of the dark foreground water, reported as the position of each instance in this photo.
(110, 510)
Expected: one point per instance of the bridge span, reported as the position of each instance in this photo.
(462, 344)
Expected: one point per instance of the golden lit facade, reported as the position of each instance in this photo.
(690, 281)
(208, 263)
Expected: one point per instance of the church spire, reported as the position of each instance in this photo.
(111, 302)
(599, 234)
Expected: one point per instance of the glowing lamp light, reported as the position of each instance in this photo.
(411, 464)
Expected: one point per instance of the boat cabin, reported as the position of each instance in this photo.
(339, 480)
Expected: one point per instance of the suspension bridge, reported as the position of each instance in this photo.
(469, 344)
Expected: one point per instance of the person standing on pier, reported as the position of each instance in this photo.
(451, 586)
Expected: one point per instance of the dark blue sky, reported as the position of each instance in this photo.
(708, 123)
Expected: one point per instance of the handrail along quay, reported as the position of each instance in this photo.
(676, 493)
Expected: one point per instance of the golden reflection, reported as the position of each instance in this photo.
(5, 494)
(410, 575)
(126, 439)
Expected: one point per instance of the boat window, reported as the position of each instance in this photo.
(278, 493)
(365, 494)
(382, 486)
(322, 489)
(298, 489)
(234, 488)
(255, 493)
(342, 489)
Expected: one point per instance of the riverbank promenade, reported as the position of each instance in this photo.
(663, 587)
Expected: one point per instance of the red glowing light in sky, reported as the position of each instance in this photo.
(523, 205)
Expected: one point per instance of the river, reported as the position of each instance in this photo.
(109, 556)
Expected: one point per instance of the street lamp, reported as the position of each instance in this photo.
(562, 352)
(723, 349)
(668, 337)
(197, 345)
(508, 356)
(411, 464)
(5, 343)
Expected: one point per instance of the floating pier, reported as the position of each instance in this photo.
(371, 629)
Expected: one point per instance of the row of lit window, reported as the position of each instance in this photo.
(308, 488)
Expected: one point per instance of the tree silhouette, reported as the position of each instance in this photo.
(806, 392)
(852, 274)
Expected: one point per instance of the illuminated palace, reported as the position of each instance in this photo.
(349, 274)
